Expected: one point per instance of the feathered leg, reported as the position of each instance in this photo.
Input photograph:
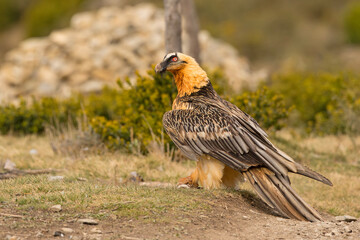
(208, 174)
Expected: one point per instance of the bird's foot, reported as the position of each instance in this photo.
(187, 182)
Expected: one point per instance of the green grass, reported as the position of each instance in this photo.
(101, 199)
(103, 196)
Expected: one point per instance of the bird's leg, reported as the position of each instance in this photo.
(191, 181)
(208, 174)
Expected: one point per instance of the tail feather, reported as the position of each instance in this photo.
(278, 194)
(305, 171)
(295, 167)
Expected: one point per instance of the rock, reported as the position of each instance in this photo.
(61, 37)
(88, 221)
(78, 78)
(12, 74)
(55, 178)
(101, 46)
(81, 179)
(92, 86)
(183, 186)
(133, 178)
(281, 219)
(56, 208)
(58, 234)
(345, 218)
(335, 232)
(67, 230)
(82, 20)
(9, 237)
(33, 152)
(9, 165)
(347, 229)
(96, 230)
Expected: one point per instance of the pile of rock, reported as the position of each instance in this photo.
(100, 47)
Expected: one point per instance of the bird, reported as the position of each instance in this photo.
(228, 144)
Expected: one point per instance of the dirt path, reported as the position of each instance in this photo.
(229, 218)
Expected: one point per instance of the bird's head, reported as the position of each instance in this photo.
(189, 76)
(174, 62)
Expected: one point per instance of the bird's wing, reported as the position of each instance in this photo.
(216, 130)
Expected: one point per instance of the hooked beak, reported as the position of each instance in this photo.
(160, 68)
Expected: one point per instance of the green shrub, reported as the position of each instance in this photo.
(130, 117)
(31, 119)
(43, 15)
(324, 103)
(352, 23)
(266, 106)
(10, 12)
(139, 107)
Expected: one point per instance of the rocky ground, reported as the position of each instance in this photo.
(241, 217)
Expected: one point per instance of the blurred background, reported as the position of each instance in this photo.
(278, 35)
(293, 64)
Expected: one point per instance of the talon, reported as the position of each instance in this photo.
(188, 182)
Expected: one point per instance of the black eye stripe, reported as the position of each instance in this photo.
(170, 59)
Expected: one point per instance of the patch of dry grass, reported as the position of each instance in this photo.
(103, 194)
(105, 166)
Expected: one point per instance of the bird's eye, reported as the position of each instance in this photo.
(174, 59)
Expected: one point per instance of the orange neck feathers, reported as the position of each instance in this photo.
(190, 78)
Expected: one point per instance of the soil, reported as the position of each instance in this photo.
(230, 218)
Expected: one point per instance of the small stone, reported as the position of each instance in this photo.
(55, 178)
(56, 208)
(134, 178)
(58, 234)
(67, 230)
(9, 237)
(96, 230)
(335, 232)
(345, 218)
(88, 221)
(347, 229)
(246, 217)
(9, 165)
(33, 152)
(183, 186)
(81, 179)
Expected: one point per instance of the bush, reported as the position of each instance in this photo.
(139, 109)
(324, 103)
(43, 16)
(131, 117)
(267, 107)
(10, 12)
(352, 23)
(31, 119)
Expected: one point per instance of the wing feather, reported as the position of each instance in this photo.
(224, 132)
(218, 134)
